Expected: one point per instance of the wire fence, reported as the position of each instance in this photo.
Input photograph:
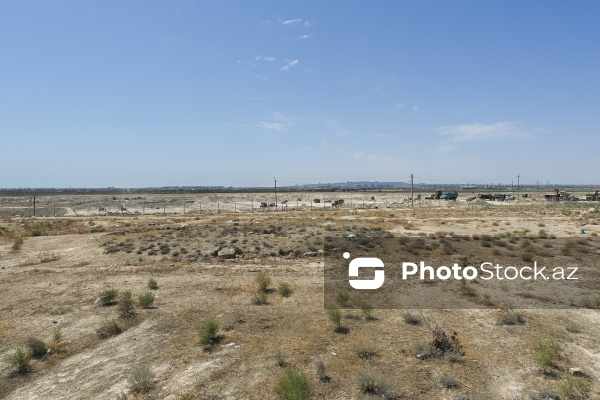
(49, 206)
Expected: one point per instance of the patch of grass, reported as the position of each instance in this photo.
(293, 385)
(342, 298)
(367, 310)
(146, 300)
(263, 281)
(335, 316)
(20, 359)
(547, 352)
(126, 307)
(573, 328)
(366, 349)
(512, 317)
(97, 228)
(109, 329)
(141, 379)
(18, 242)
(260, 298)
(449, 382)
(108, 297)
(373, 383)
(37, 347)
(573, 387)
(208, 332)
(152, 284)
(284, 289)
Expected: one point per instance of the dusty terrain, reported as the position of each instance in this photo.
(54, 279)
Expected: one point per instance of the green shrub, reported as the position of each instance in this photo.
(284, 289)
(335, 316)
(208, 332)
(36, 232)
(342, 298)
(141, 380)
(512, 317)
(260, 298)
(17, 243)
(367, 310)
(152, 284)
(366, 350)
(126, 307)
(146, 300)
(294, 385)
(372, 383)
(547, 352)
(108, 297)
(263, 281)
(37, 347)
(574, 387)
(97, 228)
(20, 359)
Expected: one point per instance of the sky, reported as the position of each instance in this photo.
(237, 93)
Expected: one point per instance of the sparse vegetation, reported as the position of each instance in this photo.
(141, 379)
(342, 298)
(146, 300)
(18, 242)
(263, 281)
(152, 284)
(109, 329)
(449, 382)
(366, 349)
(260, 298)
(512, 317)
(293, 385)
(335, 316)
(20, 359)
(37, 347)
(108, 297)
(373, 383)
(126, 307)
(208, 332)
(547, 352)
(411, 318)
(573, 387)
(284, 289)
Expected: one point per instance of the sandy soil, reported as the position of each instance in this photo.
(54, 280)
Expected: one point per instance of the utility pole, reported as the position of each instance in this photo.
(34, 206)
(275, 193)
(518, 184)
(412, 193)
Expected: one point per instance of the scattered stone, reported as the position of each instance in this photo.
(576, 372)
(311, 254)
(228, 252)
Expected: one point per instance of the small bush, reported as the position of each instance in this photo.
(281, 359)
(97, 228)
(37, 347)
(263, 281)
(342, 298)
(20, 359)
(367, 310)
(146, 300)
(36, 232)
(547, 352)
(260, 298)
(366, 350)
(372, 383)
(126, 307)
(294, 385)
(574, 387)
(320, 369)
(108, 297)
(411, 318)
(109, 329)
(152, 284)
(512, 317)
(449, 382)
(284, 289)
(335, 316)
(17, 243)
(208, 332)
(141, 379)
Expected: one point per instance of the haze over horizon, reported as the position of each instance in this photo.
(233, 93)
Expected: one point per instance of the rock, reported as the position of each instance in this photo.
(576, 372)
(311, 254)
(228, 252)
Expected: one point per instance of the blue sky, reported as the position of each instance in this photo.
(153, 93)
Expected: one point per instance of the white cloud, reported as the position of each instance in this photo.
(478, 132)
(446, 148)
(292, 21)
(385, 136)
(415, 108)
(289, 65)
(269, 59)
(276, 126)
(304, 37)
(337, 126)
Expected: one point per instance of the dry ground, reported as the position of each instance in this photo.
(53, 281)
